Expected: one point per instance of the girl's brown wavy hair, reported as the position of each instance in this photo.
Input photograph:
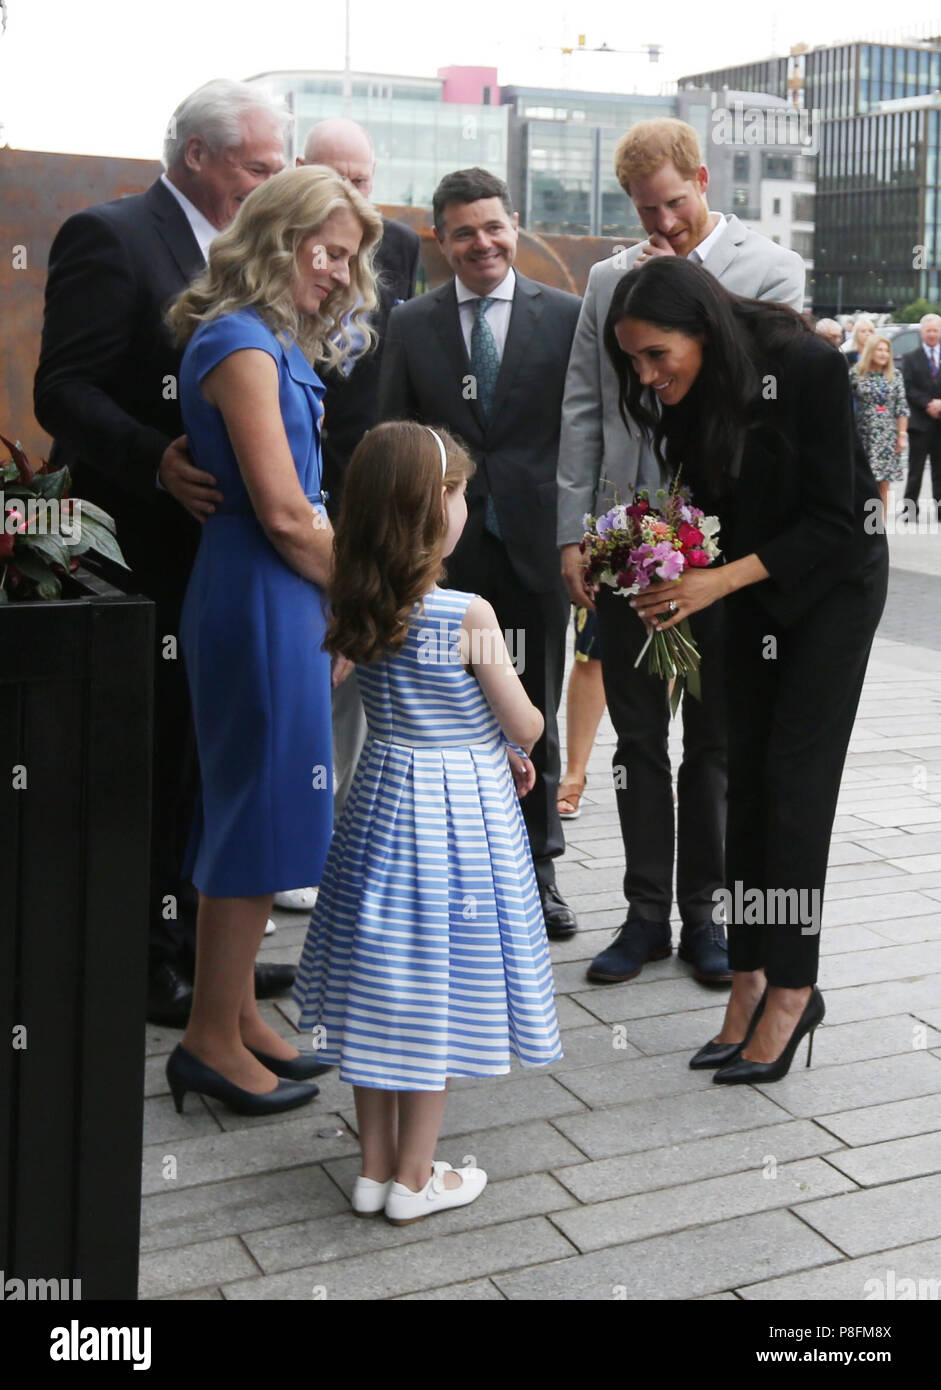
(390, 535)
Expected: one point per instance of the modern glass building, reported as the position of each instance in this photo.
(561, 159)
(875, 115)
(418, 135)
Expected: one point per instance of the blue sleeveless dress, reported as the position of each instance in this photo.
(251, 634)
(426, 955)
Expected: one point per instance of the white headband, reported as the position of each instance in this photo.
(441, 450)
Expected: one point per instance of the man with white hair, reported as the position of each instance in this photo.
(351, 405)
(922, 375)
(106, 390)
(830, 331)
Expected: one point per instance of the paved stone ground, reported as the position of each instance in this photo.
(619, 1172)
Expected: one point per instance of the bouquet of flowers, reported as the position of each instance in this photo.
(633, 546)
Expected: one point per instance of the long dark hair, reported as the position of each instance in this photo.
(390, 536)
(739, 339)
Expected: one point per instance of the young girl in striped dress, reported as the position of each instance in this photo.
(426, 955)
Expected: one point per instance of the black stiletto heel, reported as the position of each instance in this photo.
(742, 1070)
(713, 1054)
(187, 1073)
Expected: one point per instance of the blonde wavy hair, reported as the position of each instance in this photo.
(253, 265)
(864, 365)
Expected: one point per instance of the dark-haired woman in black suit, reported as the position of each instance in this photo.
(755, 410)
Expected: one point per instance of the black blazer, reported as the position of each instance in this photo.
(107, 384)
(351, 405)
(424, 377)
(805, 500)
(920, 389)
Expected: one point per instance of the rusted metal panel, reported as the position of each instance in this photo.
(39, 190)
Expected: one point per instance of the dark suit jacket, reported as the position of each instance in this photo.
(805, 497)
(424, 377)
(920, 389)
(351, 405)
(107, 384)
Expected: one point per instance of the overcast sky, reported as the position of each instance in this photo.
(103, 76)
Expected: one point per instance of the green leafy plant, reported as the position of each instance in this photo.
(43, 530)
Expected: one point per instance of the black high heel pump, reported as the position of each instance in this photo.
(187, 1073)
(716, 1054)
(742, 1070)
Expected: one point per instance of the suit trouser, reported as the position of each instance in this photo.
(922, 445)
(792, 703)
(537, 625)
(639, 709)
(349, 735)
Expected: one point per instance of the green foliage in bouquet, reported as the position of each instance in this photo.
(43, 531)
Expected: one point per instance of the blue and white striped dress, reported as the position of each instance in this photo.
(426, 955)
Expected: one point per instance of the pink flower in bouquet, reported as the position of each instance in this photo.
(698, 558)
(658, 530)
(671, 564)
(690, 535)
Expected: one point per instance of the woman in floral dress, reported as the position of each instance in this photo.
(881, 413)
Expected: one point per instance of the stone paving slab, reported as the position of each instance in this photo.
(686, 1264)
(891, 1161)
(700, 1203)
(192, 1266)
(414, 1267)
(648, 1124)
(238, 1205)
(871, 1277)
(754, 1150)
(341, 1236)
(898, 1213)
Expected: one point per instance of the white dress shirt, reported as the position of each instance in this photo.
(203, 230)
(497, 316)
(700, 252)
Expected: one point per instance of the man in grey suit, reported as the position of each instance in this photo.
(659, 166)
(486, 355)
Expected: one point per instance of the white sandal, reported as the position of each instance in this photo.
(369, 1196)
(403, 1206)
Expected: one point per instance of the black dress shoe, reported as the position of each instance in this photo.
(741, 1070)
(704, 947)
(169, 996)
(716, 1054)
(272, 980)
(637, 941)
(300, 1068)
(187, 1073)
(560, 919)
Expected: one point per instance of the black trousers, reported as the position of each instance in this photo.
(639, 709)
(792, 699)
(924, 445)
(536, 625)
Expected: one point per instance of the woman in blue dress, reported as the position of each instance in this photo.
(289, 283)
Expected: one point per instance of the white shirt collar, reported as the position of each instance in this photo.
(504, 290)
(708, 242)
(203, 230)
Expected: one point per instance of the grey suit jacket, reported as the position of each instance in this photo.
(600, 460)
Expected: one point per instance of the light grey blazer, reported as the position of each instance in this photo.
(600, 460)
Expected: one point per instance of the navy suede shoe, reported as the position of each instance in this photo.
(704, 947)
(636, 943)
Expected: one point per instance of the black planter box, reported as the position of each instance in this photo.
(76, 710)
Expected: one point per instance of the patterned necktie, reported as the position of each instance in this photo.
(934, 363)
(485, 365)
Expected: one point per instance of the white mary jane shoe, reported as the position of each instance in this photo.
(296, 899)
(270, 927)
(369, 1197)
(403, 1206)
